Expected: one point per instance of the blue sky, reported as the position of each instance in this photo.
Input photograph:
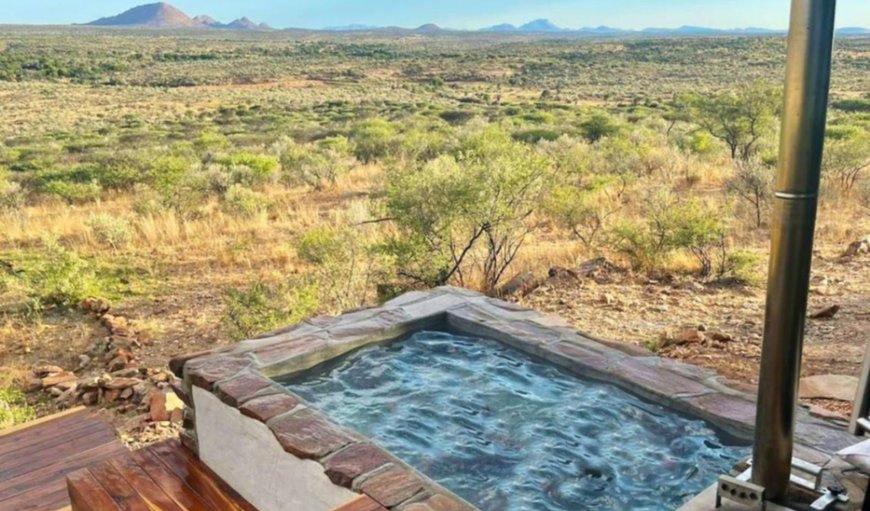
(450, 13)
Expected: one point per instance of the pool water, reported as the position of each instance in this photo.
(507, 432)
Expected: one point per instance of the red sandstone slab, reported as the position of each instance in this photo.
(439, 503)
(738, 411)
(207, 372)
(266, 408)
(241, 388)
(392, 487)
(643, 373)
(348, 464)
(308, 435)
(578, 358)
(177, 363)
(289, 349)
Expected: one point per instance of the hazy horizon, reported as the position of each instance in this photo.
(316, 14)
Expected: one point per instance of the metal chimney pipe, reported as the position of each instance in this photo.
(808, 72)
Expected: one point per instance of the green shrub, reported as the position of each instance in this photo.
(481, 197)
(167, 173)
(317, 246)
(698, 142)
(74, 193)
(318, 164)
(374, 139)
(14, 408)
(251, 169)
(210, 141)
(147, 200)
(740, 266)
(539, 117)
(117, 171)
(670, 224)
(12, 195)
(263, 307)
(110, 230)
(535, 135)
(599, 125)
(457, 117)
(59, 277)
(345, 265)
(584, 210)
(421, 144)
(242, 201)
(852, 105)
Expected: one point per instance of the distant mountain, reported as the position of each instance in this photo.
(206, 20)
(684, 30)
(604, 31)
(241, 24)
(504, 27)
(428, 28)
(352, 28)
(541, 25)
(160, 15)
(163, 15)
(853, 31)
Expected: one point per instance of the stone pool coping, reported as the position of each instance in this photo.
(241, 377)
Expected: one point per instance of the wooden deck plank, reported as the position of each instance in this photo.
(51, 497)
(199, 477)
(162, 477)
(36, 457)
(42, 420)
(178, 490)
(118, 488)
(142, 483)
(86, 493)
(32, 459)
(46, 431)
(361, 503)
(59, 470)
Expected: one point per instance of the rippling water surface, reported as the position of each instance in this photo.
(509, 433)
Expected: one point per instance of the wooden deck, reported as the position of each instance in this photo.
(36, 457)
(361, 503)
(164, 476)
(73, 462)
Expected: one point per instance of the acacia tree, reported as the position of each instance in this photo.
(752, 182)
(738, 118)
(466, 209)
(845, 159)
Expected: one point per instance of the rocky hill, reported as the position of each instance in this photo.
(164, 15)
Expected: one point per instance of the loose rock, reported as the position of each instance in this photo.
(826, 313)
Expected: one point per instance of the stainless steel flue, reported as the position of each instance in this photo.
(808, 71)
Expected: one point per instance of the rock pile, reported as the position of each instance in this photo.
(129, 389)
(857, 248)
(109, 375)
(692, 335)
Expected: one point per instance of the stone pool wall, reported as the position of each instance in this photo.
(239, 377)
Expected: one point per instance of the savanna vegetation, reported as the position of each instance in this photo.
(216, 187)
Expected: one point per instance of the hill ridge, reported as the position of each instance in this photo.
(165, 15)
